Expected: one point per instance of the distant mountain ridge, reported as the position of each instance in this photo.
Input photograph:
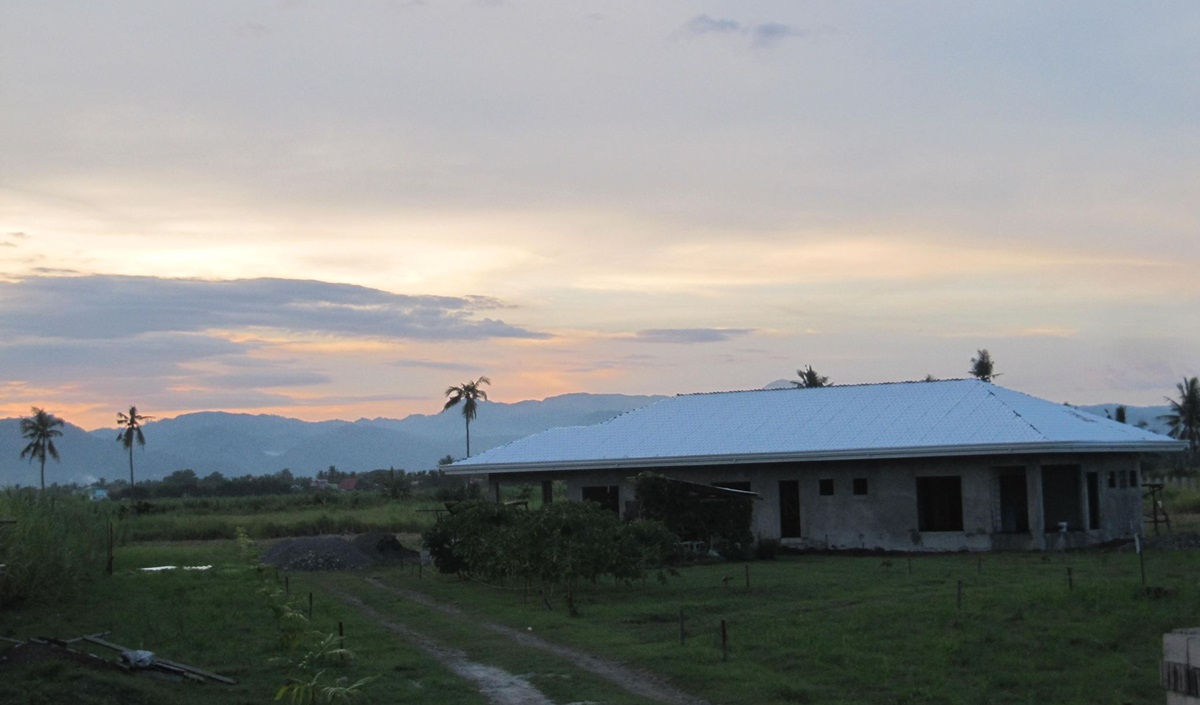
(250, 444)
(256, 444)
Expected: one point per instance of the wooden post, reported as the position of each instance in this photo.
(979, 565)
(681, 632)
(910, 565)
(287, 586)
(724, 642)
(747, 576)
(1070, 579)
(960, 590)
(341, 638)
(310, 606)
(109, 567)
(1142, 564)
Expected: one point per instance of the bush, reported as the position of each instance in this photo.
(57, 545)
(555, 546)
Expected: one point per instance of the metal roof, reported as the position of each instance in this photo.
(902, 419)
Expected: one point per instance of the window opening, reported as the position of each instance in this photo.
(607, 496)
(939, 503)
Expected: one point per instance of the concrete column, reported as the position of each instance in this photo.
(494, 488)
(1083, 499)
(1037, 512)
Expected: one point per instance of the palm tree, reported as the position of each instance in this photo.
(982, 366)
(1185, 413)
(468, 393)
(41, 429)
(131, 430)
(809, 379)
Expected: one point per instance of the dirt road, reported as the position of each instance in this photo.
(501, 687)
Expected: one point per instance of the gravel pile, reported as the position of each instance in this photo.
(384, 548)
(316, 553)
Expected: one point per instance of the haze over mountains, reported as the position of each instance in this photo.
(242, 444)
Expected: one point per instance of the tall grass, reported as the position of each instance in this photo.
(55, 547)
(275, 516)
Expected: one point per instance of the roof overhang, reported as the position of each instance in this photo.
(813, 456)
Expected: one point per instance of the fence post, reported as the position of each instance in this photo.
(747, 576)
(1070, 579)
(724, 642)
(310, 606)
(960, 591)
(681, 632)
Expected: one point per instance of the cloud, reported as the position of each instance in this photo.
(771, 32)
(266, 378)
(113, 307)
(763, 34)
(10, 239)
(434, 365)
(703, 24)
(689, 335)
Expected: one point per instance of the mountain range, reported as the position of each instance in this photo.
(247, 444)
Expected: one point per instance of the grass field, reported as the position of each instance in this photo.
(216, 620)
(838, 629)
(1073, 627)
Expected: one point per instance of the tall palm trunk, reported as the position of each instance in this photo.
(131, 466)
(468, 438)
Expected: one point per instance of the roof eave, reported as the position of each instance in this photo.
(811, 456)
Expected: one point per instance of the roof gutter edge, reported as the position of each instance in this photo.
(853, 454)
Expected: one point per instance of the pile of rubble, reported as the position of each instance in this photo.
(337, 553)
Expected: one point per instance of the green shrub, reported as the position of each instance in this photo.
(57, 545)
(555, 546)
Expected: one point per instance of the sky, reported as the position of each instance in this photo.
(337, 210)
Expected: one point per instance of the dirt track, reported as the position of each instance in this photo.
(504, 688)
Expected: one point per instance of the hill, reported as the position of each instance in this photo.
(242, 444)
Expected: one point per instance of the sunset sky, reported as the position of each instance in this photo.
(338, 209)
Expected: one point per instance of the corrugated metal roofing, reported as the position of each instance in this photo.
(904, 419)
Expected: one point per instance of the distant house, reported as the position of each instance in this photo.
(96, 493)
(350, 483)
(917, 466)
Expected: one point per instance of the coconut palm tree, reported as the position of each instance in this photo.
(468, 393)
(1185, 413)
(982, 366)
(41, 428)
(131, 431)
(809, 379)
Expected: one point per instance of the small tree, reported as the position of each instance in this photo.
(982, 366)
(40, 429)
(809, 379)
(1185, 414)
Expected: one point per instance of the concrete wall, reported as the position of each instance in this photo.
(887, 518)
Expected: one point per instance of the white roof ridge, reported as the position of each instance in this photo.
(1000, 400)
(849, 385)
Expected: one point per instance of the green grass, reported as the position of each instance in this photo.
(834, 629)
(216, 620)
